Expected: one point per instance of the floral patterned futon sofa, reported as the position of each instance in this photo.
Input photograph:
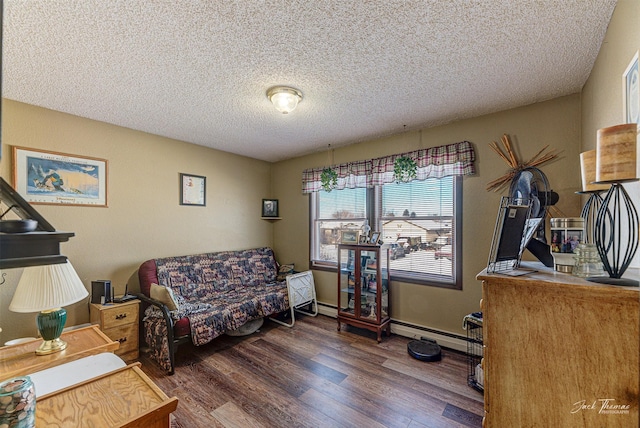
(199, 297)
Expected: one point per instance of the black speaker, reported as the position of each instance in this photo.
(101, 291)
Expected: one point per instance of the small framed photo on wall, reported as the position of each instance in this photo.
(193, 190)
(631, 92)
(270, 208)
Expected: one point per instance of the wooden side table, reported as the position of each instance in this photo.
(119, 322)
(21, 359)
(122, 398)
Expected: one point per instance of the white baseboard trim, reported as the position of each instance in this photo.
(328, 311)
(416, 332)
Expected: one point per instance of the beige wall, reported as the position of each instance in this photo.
(110, 243)
(555, 122)
(602, 94)
(144, 219)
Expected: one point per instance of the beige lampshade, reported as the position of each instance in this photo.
(616, 153)
(47, 287)
(588, 172)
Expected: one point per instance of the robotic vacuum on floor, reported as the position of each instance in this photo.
(424, 349)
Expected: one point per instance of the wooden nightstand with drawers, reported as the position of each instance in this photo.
(119, 321)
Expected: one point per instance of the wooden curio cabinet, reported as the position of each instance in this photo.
(363, 287)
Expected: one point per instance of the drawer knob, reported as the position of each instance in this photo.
(121, 316)
(122, 339)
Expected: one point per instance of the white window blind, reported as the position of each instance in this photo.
(419, 221)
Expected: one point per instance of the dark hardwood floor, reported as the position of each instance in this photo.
(311, 375)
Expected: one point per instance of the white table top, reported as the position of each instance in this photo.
(59, 377)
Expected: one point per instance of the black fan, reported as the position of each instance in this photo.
(530, 186)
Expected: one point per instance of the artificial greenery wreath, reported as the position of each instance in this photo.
(405, 169)
(329, 179)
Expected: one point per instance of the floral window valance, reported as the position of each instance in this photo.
(433, 162)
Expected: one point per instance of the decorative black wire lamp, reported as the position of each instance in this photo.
(616, 228)
(590, 209)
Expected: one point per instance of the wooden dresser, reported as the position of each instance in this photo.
(559, 351)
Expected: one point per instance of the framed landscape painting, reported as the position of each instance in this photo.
(45, 177)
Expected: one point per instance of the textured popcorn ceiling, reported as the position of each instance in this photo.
(198, 71)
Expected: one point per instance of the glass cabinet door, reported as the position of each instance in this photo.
(375, 285)
(347, 281)
(369, 281)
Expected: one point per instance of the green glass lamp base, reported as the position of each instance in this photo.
(50, 324)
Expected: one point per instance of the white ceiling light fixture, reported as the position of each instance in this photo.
(284, 98)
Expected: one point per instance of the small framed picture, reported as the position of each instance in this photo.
(363, 239)
(375, 237)
(270, 208)
(631, 92)
(349, 237)
(193, 190)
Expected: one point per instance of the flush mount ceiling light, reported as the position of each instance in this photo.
(284, 98)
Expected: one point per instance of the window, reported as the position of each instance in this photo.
(419, 220)
(332, 213)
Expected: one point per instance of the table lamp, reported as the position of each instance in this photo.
(616, 227)
(46, 289)
(592, 206)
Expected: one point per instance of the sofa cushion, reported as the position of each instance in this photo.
(254, 267)
(198, 277)
(271, 298)
(182, 327)
(230, 311)
(164, 295)
(218, 274)
(284, 270)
